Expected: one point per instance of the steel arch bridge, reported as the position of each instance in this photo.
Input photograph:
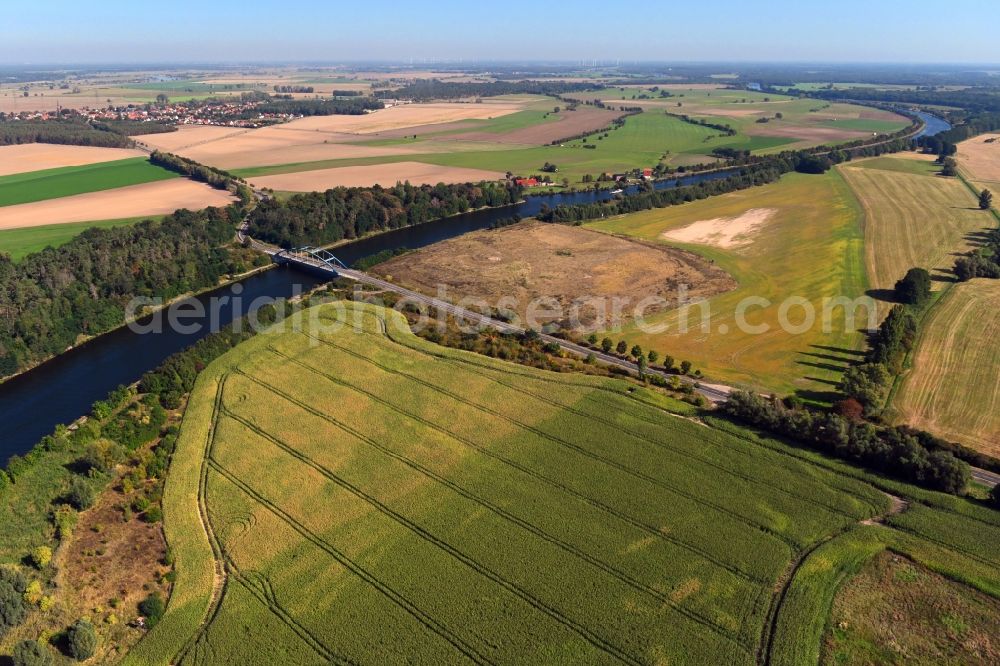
(316, 253)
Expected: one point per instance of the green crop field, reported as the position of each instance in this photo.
(66, 181)
(356, 494)
(810, 247)
(18, 243)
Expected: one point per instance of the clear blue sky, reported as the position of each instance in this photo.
(36, 31)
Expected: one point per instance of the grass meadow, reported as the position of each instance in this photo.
(374, 497)
(66, 181)
(811, 247)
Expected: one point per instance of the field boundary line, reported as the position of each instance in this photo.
(952, 547)
(609, 569)
(765, 655)
(219, 578)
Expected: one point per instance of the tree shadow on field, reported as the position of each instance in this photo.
(831, 357)
(840, 350)
(884, 295)
(6, 661)
(978, 238)
(944, 274)
(828, 382)
(822, 366)
(811, 395)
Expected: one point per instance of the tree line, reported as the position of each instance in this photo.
(745, 178)
(320, 218)
(759, 170)
(898, 451)
(316, 107)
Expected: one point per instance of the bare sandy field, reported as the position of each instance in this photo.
(158, 198)
(406, 115)
(980, 157)
(530, 260)
(26, 157)
(724, 232)
(381, 174)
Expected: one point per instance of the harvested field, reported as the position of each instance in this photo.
(531, 260)
(280, 144)
(813, 135)
(188, 136)
(318, 139)
(148, 199)
(406, 115)
(980, 158)
(912, 218)
(725, 232)
(566, 124)
(381, 174)
(952, 388)
(37, 156)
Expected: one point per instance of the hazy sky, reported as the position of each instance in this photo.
(32, 31)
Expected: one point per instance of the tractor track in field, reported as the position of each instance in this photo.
(609, 569)
(585, 415)
(624, 469)
(651, 529)
(392, 595)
